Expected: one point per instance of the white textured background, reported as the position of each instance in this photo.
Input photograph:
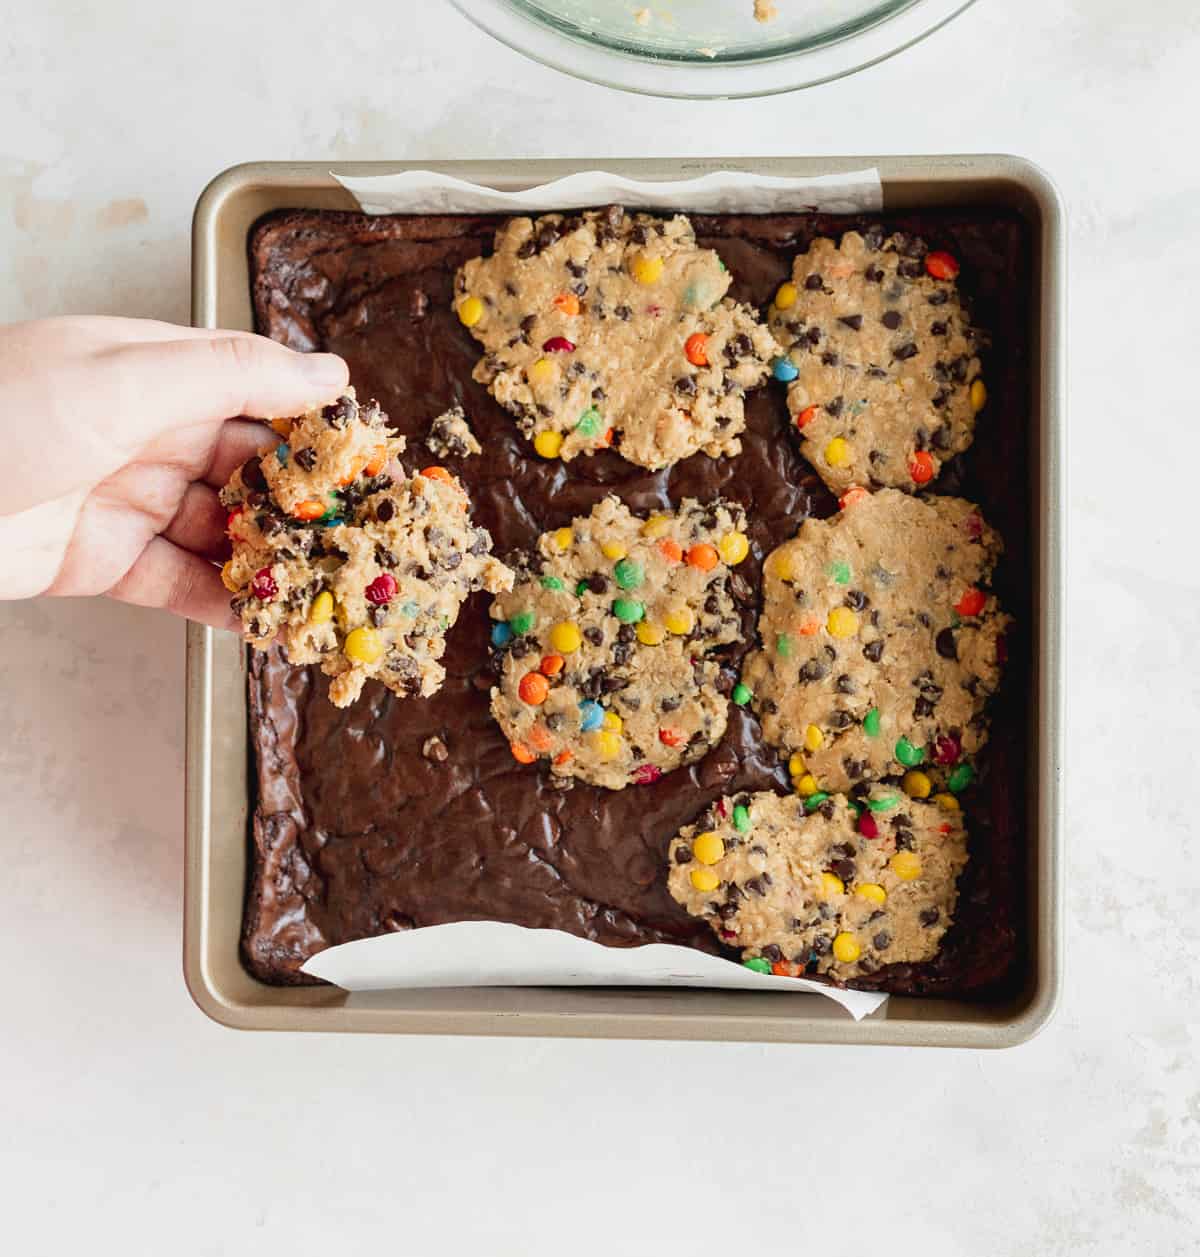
(128, 1123)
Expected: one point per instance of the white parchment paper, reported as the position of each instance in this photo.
(721, 192)
(491, 953)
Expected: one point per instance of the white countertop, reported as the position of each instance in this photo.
(132, 1124)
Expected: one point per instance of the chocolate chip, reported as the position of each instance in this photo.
(891, 319)
(873, 650)
(922, 708)
(882, 940)
(813, 670)
(822, 943)
(624, 313)
(384, 557)
(597, 583)
(252, 474)
(873, 237)
(435, 749)
(929, 916)
(939, 297)
(845, 684)
(341, 412)
(907, 350)
(626, 633)
(937, 329)
(873, 275)
(834, 405)
(814, 283)
(686, 385)
(683, 854)
(813, 336)
(945, 644)
(306, 458)
(852, 321)
(855, 599)
(594, 635)
(845, 869)
(772, 953)
(830, 359)
(547, 235)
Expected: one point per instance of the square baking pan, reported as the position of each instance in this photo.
(219, 759)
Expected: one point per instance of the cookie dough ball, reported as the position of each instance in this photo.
(824, 885)
(881, 359)
(450, 436)
(880, 644)
(612, 329)
(345, 566)
(603, 644)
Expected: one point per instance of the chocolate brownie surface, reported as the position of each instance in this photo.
(391, 815)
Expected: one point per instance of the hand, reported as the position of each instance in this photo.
(117, 434)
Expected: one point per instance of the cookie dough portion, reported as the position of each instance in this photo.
(613, 329)
(450, 436)
(881, 359)
(602, 645)
(326, 450)
(825, 885)
(880, 643)
(368, 587)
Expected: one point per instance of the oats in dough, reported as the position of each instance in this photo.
(345, 566)
(450, 436)
(881, 360)
(824, 885)
(603, 645)
(613, 329)
(880, 644)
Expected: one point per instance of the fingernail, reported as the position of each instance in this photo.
(324, 370)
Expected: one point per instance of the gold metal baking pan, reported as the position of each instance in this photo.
(218, 786)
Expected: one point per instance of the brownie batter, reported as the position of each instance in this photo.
(394, 814)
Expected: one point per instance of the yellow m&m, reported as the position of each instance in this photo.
(814, 739)
(563, 537)
(916, 784)
(842, 622)
(708, 848)
(548, 444)
(846, 948)
(704, 879)
(785, 296)
(978, 395)
(656, 526)
(542, 371)
(613, 550)
(906, 865)
(650, 634)
(607, 743)
(831, 884)
(733, 547)
(679, 621)
(321, 611)
(470, 311)
(646, 269)
(837, 452)
(363, 645)
(871, 892)
(565, 637)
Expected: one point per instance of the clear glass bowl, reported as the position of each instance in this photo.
(705, 49)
